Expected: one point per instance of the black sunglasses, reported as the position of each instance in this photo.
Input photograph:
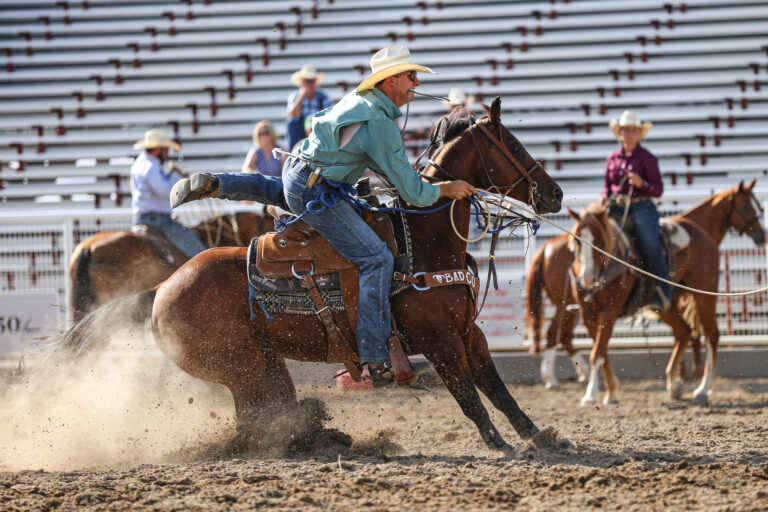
(410, 74)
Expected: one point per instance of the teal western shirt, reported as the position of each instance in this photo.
(377, 145)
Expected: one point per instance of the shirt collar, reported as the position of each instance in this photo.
(382, 101)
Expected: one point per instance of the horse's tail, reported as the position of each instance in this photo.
(95, 328)
(534, 283)
(689, 310)
(83, 298)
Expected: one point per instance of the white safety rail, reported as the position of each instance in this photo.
(35, 251)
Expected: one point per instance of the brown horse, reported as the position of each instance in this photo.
(696, 266)
(201, 317)
(735, 207)
(117, 263)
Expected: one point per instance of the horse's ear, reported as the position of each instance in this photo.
(741, 186)
(752, 184)
(495, 112)
(573, 214)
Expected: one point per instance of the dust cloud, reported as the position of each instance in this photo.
(120, 405)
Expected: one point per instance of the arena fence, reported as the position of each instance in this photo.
(34, 284)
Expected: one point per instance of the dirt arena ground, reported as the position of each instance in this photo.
(95, 442)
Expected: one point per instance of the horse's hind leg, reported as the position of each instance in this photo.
(547, 367)
(451, 365)
(486, 377)
(580, 364)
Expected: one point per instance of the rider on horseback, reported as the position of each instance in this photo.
(150, 187)
(632, 178)
(357, 133)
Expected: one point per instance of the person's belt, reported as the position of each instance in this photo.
(624, 200)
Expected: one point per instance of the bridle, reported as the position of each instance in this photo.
(525, 174)
(749, 223)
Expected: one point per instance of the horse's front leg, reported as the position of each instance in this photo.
(486, 377)
(451, 364)
(601, 332)
(682, 333)
(709, 326)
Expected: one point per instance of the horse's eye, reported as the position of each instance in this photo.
(515, 148)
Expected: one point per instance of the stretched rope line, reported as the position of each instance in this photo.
(614, 258)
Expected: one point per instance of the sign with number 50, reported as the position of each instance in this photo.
(24, 317)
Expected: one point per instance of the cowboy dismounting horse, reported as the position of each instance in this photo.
(201, 316)
(605, 288)
(735, 207)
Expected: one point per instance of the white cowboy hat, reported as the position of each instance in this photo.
(156, 138)
(390, 61)
(308, 72)
(458, 97)
(629, 118)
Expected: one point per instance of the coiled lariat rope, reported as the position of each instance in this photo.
(614, 258)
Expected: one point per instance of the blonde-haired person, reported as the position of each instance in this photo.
(260, 158)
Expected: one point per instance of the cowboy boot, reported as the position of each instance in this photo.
(660, 302)
(199, 186)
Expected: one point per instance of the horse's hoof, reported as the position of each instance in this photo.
(701, 400)
(610, 401)
(509, 450)
(582, 378)
(552, 385)
(675, 392)
(588, 400)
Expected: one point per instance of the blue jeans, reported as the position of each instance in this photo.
(252, 187)
(348, 233)
(178, 234)
(646, 218)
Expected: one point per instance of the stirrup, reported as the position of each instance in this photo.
(382, 374)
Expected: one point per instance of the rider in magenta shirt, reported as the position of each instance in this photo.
(633, 172)
(640, 161)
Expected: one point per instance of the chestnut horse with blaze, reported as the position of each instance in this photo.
(696, 266)
(735, 207)
(113, 264)
(201, 315)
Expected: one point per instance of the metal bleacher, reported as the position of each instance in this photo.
(82, 80)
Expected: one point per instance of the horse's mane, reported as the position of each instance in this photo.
(610, 232)
(452, 124)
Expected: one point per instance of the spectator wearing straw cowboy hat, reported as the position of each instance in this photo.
(357, 133)
(632, 179)
(303, 102)
(151, 186)
(458, 98)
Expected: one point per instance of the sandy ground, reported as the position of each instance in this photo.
(159, 442)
